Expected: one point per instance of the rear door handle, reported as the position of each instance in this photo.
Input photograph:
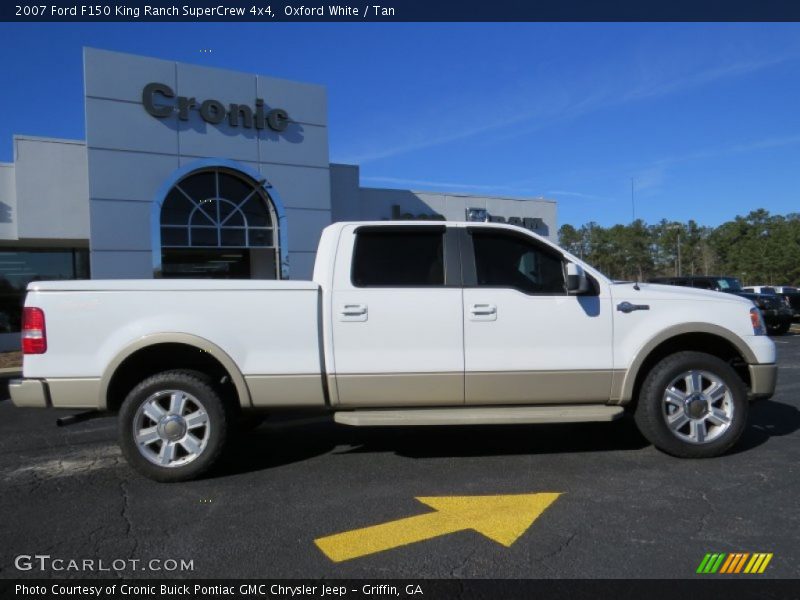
(483, 312)
(353, 312)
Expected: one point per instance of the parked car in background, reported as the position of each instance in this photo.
(772, 289)
(776, 311)
(789, 293)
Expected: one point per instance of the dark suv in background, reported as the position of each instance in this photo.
(789, 293)
(777, 316)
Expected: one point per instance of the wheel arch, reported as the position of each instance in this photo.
(701, 337)
(154, 342)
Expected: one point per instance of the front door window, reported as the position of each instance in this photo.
(503, 260)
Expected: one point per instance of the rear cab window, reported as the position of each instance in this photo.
(398, 257)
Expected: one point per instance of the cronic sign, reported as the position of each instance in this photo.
(160, 101)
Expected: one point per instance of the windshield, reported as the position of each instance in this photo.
(729, 284)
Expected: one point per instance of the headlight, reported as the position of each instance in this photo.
(758, 322)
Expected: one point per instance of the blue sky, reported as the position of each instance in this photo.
(704, 117)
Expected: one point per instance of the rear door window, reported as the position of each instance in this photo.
(400, 257)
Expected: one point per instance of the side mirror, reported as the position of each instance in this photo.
(577, 282)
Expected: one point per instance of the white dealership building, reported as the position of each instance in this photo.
(190, 171)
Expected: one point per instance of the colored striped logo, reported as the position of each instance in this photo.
(736, 562)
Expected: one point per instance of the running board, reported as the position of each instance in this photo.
(506, 415)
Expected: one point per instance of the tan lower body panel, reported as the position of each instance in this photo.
(493, 415)
(617, 386)
(763, 379)
(75, 393)
(401, 389)
(333, 392)
(28, 393)
(538, 387)
(286, 390)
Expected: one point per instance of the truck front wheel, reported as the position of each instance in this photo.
(692, 405)
(173, 426)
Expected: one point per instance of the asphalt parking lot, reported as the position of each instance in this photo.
(625, 509)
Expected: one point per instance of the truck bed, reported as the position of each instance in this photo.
(269, 329)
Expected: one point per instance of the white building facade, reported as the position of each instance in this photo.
(190, 171)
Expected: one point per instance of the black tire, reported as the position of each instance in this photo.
(779, 328)
(652, 409)
(249, 421)
(196, 392)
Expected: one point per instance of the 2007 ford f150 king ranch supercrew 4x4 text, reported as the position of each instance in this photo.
(431, 323)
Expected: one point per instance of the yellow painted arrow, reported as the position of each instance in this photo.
(500, 518)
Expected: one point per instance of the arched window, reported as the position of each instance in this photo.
(216, 208)
(218, 223)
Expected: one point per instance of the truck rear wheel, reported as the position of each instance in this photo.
(692, 405)
(173, 426)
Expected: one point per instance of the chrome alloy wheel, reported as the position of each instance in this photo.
(171, 428)
(697, 406)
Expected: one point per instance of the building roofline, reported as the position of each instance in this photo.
(36, 138)
(196, 64)
(463, 195)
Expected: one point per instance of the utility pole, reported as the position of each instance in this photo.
(677, 227)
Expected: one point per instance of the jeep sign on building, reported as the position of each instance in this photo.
(189, 171)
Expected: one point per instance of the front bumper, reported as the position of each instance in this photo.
(762, 381)
(29, 393)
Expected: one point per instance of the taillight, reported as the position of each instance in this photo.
(34, 335)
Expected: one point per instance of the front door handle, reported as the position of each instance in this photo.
(353, 312)
(627, 307)
(483, 312)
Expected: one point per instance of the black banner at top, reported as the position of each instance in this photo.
(392, 11)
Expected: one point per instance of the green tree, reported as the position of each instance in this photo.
(572, 240)
(758, 248)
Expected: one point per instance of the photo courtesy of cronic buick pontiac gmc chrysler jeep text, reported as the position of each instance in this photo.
(403, 324)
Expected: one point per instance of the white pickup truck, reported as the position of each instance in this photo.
(432, 323)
